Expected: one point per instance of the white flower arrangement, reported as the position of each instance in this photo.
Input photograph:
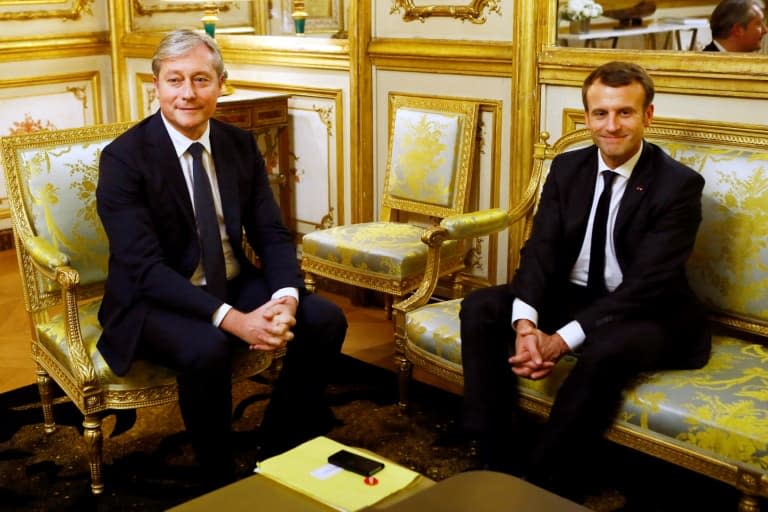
(576, 10)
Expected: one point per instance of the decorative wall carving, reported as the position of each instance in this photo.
(74, 11)
(474, 11)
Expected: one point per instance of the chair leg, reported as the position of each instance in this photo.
(45, 388)
(93, 441)
(748, 503)
(310, 283)
(457, 286)
(404, 376)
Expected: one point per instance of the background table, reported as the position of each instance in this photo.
(671, 29)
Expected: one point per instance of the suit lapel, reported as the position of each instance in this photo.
(226, 176)
(166, 164)
(637, 187)
(584, 184)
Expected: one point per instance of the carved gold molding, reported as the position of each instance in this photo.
(79, 92)
(140, 8)
(77, 9)
(473, 12)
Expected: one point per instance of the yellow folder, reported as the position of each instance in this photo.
(305, 469)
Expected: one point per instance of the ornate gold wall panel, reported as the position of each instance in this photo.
(473, 11)
(460, 57)
(281, 51)
(46, 47)
(734, 75)
(73, 11)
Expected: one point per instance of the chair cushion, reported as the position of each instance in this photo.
(733, 422)
(390, 249)
(142, 374)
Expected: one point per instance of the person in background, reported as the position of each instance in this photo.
(601, 276)
(175, 193)
(737, 26)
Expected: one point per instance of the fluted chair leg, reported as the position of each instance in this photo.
(404, 377)
(93, 441)
(749, 503)
(45, 388)
(310, 282)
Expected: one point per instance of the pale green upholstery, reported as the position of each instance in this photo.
(384, 250)
(62, 252)
(713, 420)
(429, 163)
(676, 404)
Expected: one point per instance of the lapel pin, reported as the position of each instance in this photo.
(639, 188)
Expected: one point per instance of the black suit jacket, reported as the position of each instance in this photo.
(654, 234)
(146, 210)
(711, 47)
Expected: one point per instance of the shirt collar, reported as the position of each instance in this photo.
(181, 143)
(719, 46)
(624, 169)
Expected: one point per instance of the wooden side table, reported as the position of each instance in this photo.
(261, 113)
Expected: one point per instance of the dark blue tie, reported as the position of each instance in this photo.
(207, 226)
(596, 276)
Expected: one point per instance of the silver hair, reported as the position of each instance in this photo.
(180, 42)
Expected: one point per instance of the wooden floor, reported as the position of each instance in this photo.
(369, 338)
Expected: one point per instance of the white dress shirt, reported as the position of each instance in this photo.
(572, 333)
(181, 144)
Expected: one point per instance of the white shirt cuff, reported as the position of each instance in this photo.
(220, 313)
(572, 334)
(288, 291)
(522, 310)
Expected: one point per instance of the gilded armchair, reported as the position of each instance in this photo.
(62, 253)
(428, 175)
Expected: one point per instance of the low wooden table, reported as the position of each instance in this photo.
(481, 491)
(261, 493)
(473, 491)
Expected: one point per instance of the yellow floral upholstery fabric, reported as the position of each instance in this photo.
(424, 155)
(142, 374)
(729, 266)
(63, 204)
(387, 249)
(721, 408)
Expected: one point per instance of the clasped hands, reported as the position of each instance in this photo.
(267, 327)
(535, 351)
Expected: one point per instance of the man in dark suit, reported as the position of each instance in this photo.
(180, 290)
(624, 307)
(737, 26)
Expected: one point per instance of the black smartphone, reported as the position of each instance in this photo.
(355, 463)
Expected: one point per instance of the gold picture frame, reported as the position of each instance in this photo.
(474, 11)
(73, 11)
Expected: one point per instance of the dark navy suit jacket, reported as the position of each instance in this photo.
(654, 234)
(146, 210)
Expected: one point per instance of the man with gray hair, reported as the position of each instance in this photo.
(175, 194)
(737, 26)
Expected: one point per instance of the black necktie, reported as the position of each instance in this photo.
(596, 276)
(207, 226)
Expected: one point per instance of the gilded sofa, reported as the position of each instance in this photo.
(714, 420)
(62, 252)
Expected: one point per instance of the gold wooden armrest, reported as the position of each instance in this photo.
(54, 265)
(44, 255)
(455, 227)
